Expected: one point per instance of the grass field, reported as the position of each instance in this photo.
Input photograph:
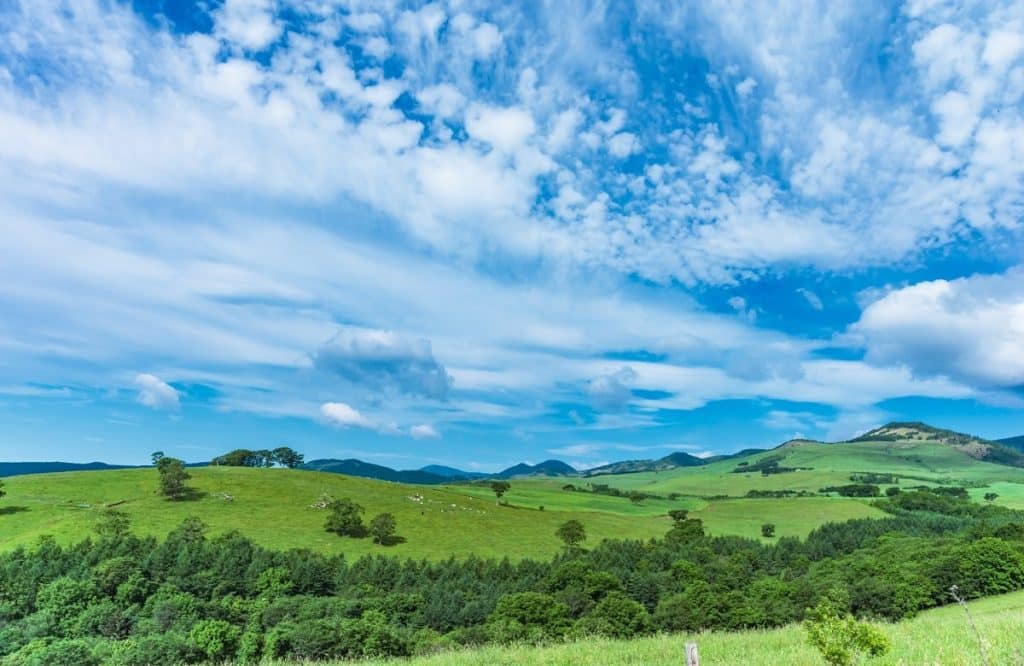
(272, 506)
(941, 636)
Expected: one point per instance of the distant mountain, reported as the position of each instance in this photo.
(1016, 443)
(19, 468)
(975, 447)
(671, 461)
(451, 472)
(546, 468)
(354, 467)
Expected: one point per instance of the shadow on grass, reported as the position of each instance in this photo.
(392, 540)
(190, 495)
(8, 510)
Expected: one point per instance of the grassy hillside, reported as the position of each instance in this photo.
(272, 506)
(917, 461)
(941, 636)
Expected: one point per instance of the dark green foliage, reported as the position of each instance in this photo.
(875, 478)
(855, 490)
(617, 616)
(500, 488)
(768, 530)
(287, 457)
(345, 518)
(172, 478)
(572, 533)
(528, 616)
(767, 465)
(382, 529)
(991, 497)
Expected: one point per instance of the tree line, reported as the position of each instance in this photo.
(117, 598)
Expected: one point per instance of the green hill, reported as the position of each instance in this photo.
(914, 456)
(273, 507)
(939, 636)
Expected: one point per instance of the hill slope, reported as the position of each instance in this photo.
(975, 447)
(938, 636)
(1012, 442)
(273, 507)
(546, 468)
(671, 461)
(353, 467)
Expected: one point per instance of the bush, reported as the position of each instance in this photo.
(616, 616)
(216, 639)
(841, 639)
(528, 616)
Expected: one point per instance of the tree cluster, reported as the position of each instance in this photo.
(283, 455)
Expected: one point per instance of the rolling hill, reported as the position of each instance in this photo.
(354, 467)
(546, 468)
(671, 461)
(19, 468)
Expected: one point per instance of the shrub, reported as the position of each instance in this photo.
(216, 639)
(840, 638)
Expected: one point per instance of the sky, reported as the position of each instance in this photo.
(478, 233)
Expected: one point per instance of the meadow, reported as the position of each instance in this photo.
(941, 636)
(274, 508)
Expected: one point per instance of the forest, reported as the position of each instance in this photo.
(116, 598)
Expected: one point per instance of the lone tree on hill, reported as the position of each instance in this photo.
(287, 457)
(678, 515)
(500, 488)
(172, 478)
(571, 533)
(345, 518)
(382, 528)
(637, 497)
(991, 497)
(768, 530)
(156, 456)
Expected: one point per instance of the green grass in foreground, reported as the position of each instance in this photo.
(939, 636)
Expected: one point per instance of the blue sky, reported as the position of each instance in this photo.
(477, 233)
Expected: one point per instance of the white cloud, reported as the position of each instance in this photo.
(745, 87)
(342, 415)
(156, 393)
(969, 329)
(424, 431)
(623, 145)
(249, 23)
(507, 129)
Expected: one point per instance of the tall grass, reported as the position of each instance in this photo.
(937, 637)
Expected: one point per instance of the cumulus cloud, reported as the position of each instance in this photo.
(424, 431)
(504, 128)
(612, 391)
(969, 329)
(343, 415)
(386, 362)
(156, 393)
